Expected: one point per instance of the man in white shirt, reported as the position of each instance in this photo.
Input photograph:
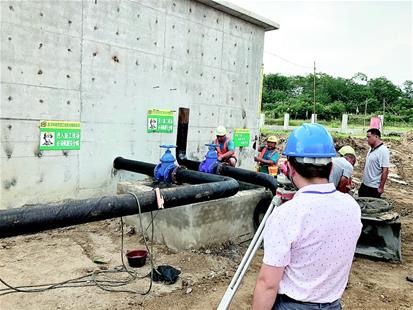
(309, 241)
(343, 169)
(377, 166)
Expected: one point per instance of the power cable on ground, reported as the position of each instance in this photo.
(96, 278)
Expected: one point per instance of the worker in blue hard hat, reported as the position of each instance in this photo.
(309, 241)
(225, 147)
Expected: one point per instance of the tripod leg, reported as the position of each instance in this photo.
(246, 260)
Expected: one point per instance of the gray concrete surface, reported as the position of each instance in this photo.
(105, 63)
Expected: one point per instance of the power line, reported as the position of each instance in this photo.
(286, 60)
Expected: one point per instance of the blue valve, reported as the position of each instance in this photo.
(163, 170)
(210, 162)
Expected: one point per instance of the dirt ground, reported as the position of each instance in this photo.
(62, 254)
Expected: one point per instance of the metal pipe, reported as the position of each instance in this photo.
(182, 132)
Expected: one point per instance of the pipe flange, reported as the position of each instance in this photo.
(219, 168)
(173, 174)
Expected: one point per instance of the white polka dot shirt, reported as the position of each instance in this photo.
(314, 237)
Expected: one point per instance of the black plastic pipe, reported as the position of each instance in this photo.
(36, 218)
(180, 174)
(248, 176)
(190, 164)
(134, 166)
(40, 217)
(243, 175)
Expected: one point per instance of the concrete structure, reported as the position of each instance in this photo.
(313, 118)
(381, 117)
(286, 121)
(344, 122)
(104, 64)
(201, 224)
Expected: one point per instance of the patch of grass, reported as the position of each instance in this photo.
(337, 124)
(339, 135)
(268, 132)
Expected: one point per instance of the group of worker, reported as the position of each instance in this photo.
(375, 171)
(310, 240)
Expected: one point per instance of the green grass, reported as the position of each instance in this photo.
(403, 127)
(339, 135)
(363, 136)
(267, 132)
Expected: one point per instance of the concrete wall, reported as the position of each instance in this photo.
(105, 63)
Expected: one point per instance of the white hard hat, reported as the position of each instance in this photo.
(221, 131)
(347, 150)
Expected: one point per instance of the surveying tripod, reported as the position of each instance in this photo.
(248, 256)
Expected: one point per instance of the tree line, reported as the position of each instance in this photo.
(335, 96)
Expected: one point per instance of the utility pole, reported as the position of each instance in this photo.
(314, 88)
(365, 114)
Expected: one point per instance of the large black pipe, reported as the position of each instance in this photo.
(36, 218)
(134, 166)
(243, 175)
(180, 175)
(247, 176)
(190, 164)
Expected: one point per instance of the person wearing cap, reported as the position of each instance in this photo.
(377, 166)
(225, 147)
(310, 240)
(343, 169)
(268, 158)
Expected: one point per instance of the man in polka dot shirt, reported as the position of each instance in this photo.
(309, 241)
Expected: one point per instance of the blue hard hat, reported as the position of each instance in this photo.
(310, 140)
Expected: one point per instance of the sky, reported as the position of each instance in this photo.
(342, 37)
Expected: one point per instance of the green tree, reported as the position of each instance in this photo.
(335, 96)
(383, 90)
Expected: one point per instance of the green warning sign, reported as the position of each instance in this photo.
(59, 135)
(241, 137)
(160, 121)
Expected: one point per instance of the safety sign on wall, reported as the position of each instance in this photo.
(160, 121)
(241, 137)
(59, 135)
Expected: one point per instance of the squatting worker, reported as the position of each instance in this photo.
(225, 147)
(309, 241)
(377, 166)
(343, 169)
(268, 158)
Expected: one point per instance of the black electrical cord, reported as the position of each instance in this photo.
(92, 279)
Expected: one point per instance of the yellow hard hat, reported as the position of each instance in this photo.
(347, 149)
(272, 139)
(221, 131)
